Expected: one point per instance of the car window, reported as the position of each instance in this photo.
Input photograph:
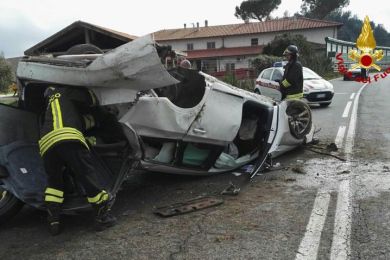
(266, 74)
(309, 74)
(277, 76)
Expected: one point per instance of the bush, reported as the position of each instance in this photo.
(246, 84)
(262, 62)
(230, 78)
(5, 74)
(309, 56)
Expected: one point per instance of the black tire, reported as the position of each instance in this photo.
(299, 118)
(324, 104)
(257, 91)
(9, 205)
(84, 49)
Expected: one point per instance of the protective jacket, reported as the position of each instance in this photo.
(291, 84)
(63, 119)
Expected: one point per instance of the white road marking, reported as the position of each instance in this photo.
(352, 95)
(347, 108)
(341, 244)
(308, 249)
(352, 123)
(341, 93)
(340, 136)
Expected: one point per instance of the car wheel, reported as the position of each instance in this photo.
(9, 205)
(84, 49)
(324, 104)
(299, 118)
(257, 91)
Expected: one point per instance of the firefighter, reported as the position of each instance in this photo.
(291, 84)
(185, 64)
(63, 144)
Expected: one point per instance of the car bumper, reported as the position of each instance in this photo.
(318, 97)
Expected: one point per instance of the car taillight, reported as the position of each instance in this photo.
(258, 82)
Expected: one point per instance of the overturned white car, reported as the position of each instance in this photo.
(182, 121)
(173, 120)
(177, 120)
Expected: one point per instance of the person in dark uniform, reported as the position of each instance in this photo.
(63, 144)
(291, 85)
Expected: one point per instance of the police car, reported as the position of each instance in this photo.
(316, 90)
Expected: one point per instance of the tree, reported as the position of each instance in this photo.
(5, 74)
(256, 9)
(319, 9)
(352, 27)
(308, 54)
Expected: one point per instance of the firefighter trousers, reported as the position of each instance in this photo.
(79, 159)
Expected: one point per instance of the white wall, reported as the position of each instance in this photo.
(312, 35)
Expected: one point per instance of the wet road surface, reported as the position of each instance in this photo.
(313, 206)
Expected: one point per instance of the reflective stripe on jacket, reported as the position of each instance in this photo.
(292, 81)
(63, 120)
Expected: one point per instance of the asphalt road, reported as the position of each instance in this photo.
(314, 206)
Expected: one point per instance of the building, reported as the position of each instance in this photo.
(80, 32)
(230, 47)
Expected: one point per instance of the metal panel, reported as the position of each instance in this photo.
(219, 120)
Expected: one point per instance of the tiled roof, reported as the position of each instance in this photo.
(129, 36)
(278, 25)
(224, 52)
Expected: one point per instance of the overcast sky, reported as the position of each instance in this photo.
(23, 23)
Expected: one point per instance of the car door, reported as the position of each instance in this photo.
(273, 85)
(162, 116)
(265, 80)
(158, 117)
(219, 119)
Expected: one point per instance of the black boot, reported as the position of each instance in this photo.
(53, 218)
(103, 217)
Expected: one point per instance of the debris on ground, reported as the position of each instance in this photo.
(188, 206)
(324, 153)
(289, 179)
(231, 190)
(298, 169)
(315, 141)
(273, 167)
(276, 165)
(332, 147)
(247, 168)
(344, 172)
(221, 238)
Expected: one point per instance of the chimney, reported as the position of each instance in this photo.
(185, 26)
(197, 25)
(206, 23)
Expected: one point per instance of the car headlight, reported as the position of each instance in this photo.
(329, 86)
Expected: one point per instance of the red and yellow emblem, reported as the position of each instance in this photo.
(366, 56)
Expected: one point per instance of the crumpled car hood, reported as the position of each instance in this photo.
(133, 66)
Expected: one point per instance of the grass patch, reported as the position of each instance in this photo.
(331, 75)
